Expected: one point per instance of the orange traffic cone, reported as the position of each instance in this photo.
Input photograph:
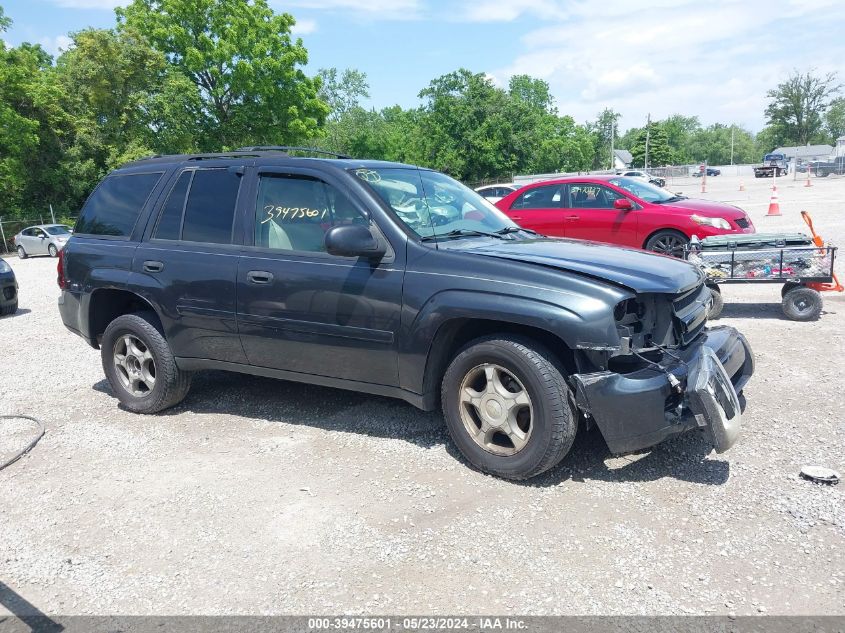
(808, 183)
(774, 207)
(742, 185)
(703, 186)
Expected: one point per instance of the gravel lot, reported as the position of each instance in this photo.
(259, 496)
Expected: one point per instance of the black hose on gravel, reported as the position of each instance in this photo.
(29, 446)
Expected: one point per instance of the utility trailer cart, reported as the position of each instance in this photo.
(801, 264)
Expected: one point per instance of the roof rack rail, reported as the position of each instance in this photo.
(289, 148)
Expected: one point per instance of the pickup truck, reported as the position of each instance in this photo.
(773, 165)
(824, 168)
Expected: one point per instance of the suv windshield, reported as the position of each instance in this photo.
(57, 229)
(643, 190)
(433, 205)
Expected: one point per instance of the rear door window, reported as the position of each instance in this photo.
(547, 197)
(115, 205)
(210, 209)
(169, 225)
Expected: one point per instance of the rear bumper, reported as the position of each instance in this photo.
(640, 409)
(8, 289)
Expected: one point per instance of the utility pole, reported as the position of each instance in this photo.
(612, 130)
(647, 135)
(732, 144)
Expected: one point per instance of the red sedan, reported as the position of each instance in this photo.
(620, 210)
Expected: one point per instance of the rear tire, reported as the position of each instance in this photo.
(140, 366)
(22, 253)
(522, 422)
(667, 242)
(802, 304)
(9, 309)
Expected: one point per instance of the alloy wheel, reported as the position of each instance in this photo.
(135, 365)
(496, 409)
(669, 245)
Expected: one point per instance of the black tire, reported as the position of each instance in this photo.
(667, 242)
(53, 251)
(22, 253)
(802, 304)
(553, 423)
(789, 285)
(718, 303)
(9, 309)
(170, 383)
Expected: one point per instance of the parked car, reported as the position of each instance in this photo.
(711, 171)
(494, 193)
(43, 239)
(394, 280)
(621, 210)
(641, 175)
(824, 168)
(8, 289)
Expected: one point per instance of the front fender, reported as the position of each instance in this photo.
(584, 322)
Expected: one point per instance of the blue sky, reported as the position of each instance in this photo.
(712, 58)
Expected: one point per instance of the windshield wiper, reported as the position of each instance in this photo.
(672, 199)
(461, 233)
(513, 229)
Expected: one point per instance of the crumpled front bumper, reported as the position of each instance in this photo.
(640, 409)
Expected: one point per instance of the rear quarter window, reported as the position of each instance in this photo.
(114, 206)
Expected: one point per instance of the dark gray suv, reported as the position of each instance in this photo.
(394, 280)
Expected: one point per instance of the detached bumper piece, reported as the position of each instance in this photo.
(640, 409)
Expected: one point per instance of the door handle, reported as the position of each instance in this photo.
(259, 277)
(151, 266)
(516, 218)
(572, 218)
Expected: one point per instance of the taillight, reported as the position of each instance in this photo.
(60, 271)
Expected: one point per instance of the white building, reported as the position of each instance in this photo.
(840, 146)
(806, 152)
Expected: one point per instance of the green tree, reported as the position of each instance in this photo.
(464, 127)
(659, 152)
(796, 106)
(342, 92)
(240, 56)
(713, 145)
(834, 119)
(606, 134)
(680, 130)
(36, 128)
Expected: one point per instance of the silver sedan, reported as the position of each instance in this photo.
(43, 239)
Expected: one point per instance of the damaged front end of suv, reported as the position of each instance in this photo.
(665, 374)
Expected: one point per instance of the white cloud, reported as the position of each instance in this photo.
(713, 60)
(304, 27)
(55, 45)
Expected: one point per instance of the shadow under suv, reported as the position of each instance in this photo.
(394, 280)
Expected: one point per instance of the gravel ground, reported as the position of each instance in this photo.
(258, 496)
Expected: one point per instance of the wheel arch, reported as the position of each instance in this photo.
(106, 304)
(455, 333)
(673, 229)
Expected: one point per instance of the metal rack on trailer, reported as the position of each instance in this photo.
(803, 264)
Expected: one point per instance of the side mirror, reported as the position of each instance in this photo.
(623, 204)
(353, 240)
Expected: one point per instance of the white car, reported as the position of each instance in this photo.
(43, 239)
(494, 193)
(641, 175)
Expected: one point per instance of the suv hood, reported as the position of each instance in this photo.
(635, 269)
